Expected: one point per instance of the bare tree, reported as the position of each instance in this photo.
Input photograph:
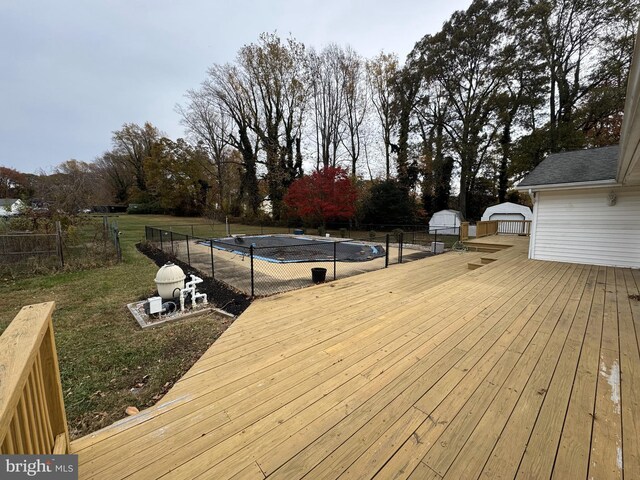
(275, 79)
(381, 72)
(228, 86)
(209, 125)
(328, 83)
(355, 104)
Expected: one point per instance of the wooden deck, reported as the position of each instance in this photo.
(427, 370)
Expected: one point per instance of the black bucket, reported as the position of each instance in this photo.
(318, 275)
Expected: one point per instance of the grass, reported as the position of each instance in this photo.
(107, 362)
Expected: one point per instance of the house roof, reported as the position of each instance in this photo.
(577, 166)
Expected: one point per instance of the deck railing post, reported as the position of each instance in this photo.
(252, 277)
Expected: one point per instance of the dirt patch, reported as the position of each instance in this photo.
(218, 293)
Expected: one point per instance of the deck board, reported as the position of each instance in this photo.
(421, 370)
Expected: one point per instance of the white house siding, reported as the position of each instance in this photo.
(579, 226)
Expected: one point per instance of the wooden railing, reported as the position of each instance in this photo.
(32, 416)
(464, 231)
(514, 227)
(486, 228)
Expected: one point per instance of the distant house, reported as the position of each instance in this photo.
(446, 222)
(10, 207)
(586, 210)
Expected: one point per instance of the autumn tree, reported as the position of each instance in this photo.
(71, 187)
(327, 194)
(132, 145)
(176, 179)
(13, 184)
(116, 177)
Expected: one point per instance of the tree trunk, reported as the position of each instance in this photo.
(503, 176)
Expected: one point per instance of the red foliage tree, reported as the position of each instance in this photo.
(327, 194)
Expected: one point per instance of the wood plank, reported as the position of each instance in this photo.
(444, 405)
(503, 319)
(443, 453)
(606, 439)
(472, 457)
(629, 377)
(572, 458)
(507, 454)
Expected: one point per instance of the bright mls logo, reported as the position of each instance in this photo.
(51, 467)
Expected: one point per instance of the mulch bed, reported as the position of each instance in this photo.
(218, 293)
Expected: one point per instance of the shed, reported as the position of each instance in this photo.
(515, 214)
(446, 222)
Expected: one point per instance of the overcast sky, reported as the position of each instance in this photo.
(71, 72)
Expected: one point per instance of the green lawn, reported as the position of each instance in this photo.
(103, 352)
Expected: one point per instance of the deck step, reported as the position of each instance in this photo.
(481, 248)
(487, 260)
(495, 246)
(474, 266)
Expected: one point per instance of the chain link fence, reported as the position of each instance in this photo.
(31, 253)
(262, 265)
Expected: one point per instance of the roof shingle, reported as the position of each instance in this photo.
(576, 166)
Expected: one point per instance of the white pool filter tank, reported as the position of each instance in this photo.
(170, 281)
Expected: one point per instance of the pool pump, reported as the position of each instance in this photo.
(170, 282)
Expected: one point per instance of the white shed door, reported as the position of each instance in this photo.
(579, 226)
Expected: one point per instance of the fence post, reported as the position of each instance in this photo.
(105, 228)
(435, 242)
(192, 234)
(161, 232)
(211, 249)
(335, 245)
(116, 234)
(252, 279)
(171, 238)
(386, 252)
(400, 241)
(188, 254)
(59, 243)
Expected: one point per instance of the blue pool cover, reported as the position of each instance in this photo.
(292, 249)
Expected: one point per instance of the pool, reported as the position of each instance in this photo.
(296, 248)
